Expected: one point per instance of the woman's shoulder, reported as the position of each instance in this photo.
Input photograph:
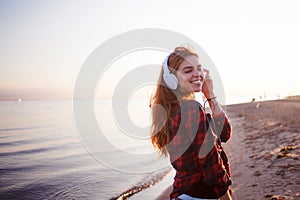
(190, 104)
(187, 106)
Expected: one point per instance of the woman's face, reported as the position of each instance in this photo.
(190, 75)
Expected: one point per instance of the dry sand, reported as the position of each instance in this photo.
(264, 150)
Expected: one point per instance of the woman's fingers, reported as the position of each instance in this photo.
(206, 73)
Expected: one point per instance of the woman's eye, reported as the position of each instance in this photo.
(188, 70)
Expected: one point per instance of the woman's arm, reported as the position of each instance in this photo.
(222, 125)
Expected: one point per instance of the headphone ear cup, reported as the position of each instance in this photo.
(169, 78)
(171, 81)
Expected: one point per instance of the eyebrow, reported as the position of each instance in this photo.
(191, 66)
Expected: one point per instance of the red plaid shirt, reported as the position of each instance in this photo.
(195, 151)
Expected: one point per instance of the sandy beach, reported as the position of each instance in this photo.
(264, 150)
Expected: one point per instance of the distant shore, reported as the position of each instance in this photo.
(264, 150)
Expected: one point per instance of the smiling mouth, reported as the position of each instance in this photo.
(197, 81)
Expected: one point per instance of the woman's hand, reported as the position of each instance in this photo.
(207, 88)
(226, 196)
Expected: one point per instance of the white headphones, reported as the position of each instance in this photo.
(169, 78)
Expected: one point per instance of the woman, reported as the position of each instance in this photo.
(183, 130)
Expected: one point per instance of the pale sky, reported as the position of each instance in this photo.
(255, 45)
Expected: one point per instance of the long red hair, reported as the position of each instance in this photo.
(166, 98)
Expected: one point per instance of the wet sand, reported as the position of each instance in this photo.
(264, 150)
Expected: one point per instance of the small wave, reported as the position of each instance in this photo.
(19, 128)
(19, 169)
(29, 151)
(14, 143)
(142, 186)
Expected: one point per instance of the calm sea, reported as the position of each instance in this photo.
(43, 155)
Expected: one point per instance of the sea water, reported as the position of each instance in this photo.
(44, 155)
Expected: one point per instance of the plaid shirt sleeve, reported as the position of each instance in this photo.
(193, 120)
(222, 127)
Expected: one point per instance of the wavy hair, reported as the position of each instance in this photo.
(166, 99)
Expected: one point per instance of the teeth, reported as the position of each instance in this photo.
(197, 81)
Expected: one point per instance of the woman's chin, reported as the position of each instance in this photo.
(197, 89)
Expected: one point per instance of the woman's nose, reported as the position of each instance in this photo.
(199, 73)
